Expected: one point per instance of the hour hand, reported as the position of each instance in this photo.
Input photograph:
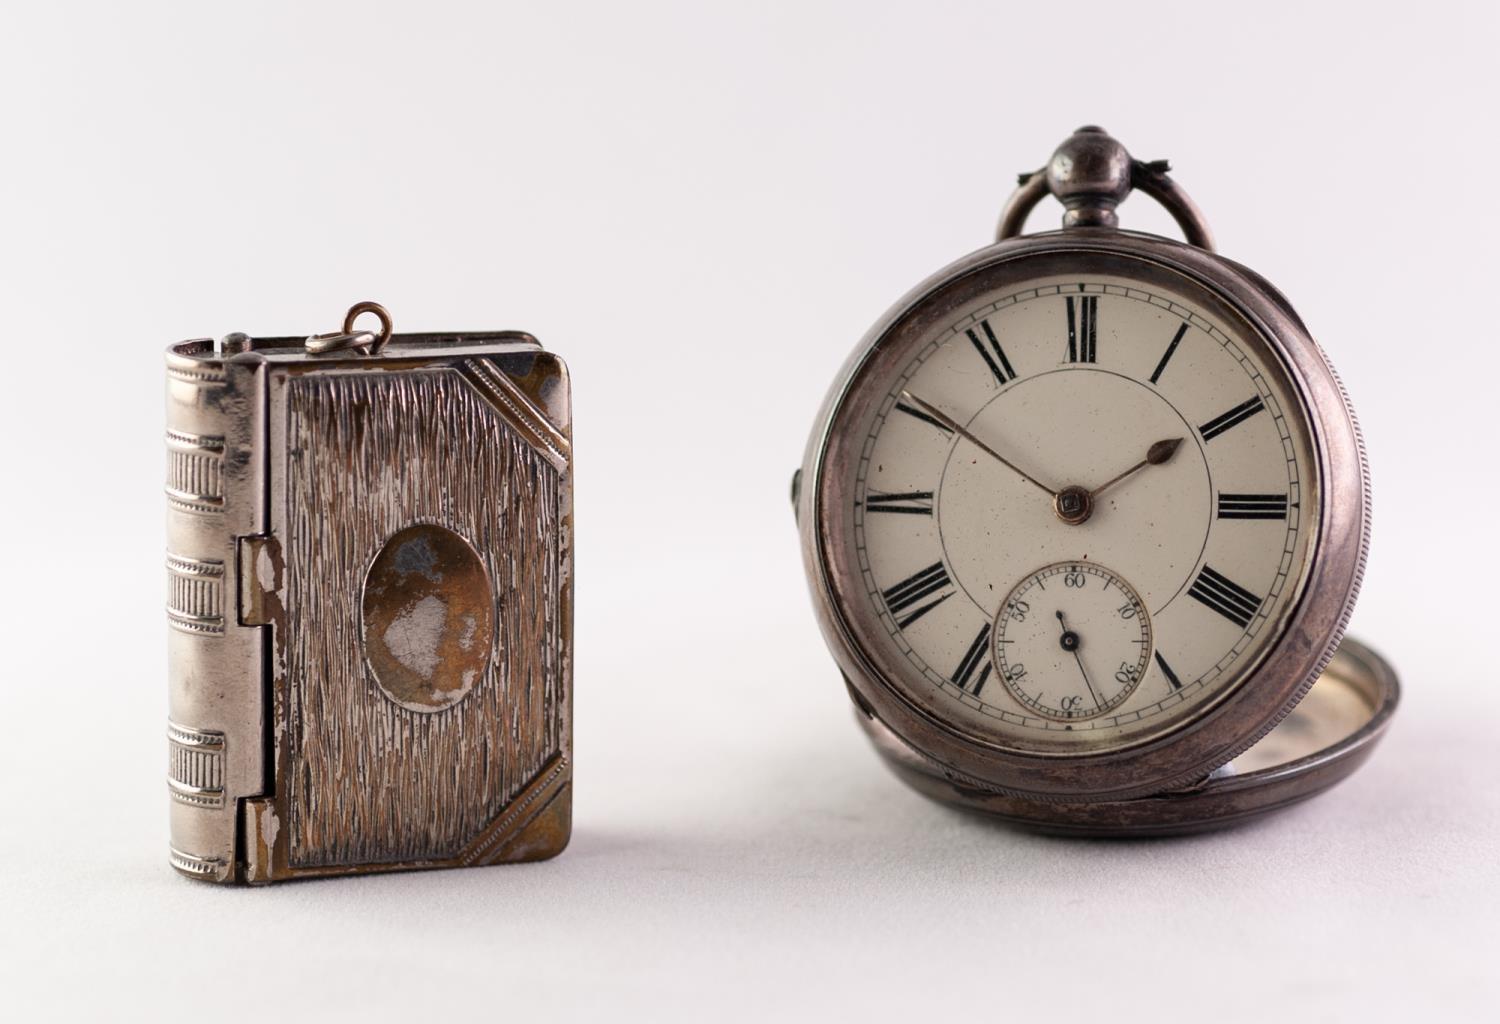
(1158, 453)
(963, 432)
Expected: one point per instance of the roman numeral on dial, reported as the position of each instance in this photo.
(911, 503)
(1252, 506)
(1166, 670)
(911, 410)
(1233, 418)
(989, 349)
(1166, 357)
(976, 659)
(1225, 596)
(913, 593)
(1083, 320)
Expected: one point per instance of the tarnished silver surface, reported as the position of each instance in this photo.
(1091, 174)
(370, 598)
(1324, 739)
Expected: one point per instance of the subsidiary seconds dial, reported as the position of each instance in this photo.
(1072, 641)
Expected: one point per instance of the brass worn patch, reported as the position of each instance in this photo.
(427, 617)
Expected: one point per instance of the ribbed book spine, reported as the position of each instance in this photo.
(214, 670)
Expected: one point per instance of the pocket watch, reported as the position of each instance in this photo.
(1084, 517)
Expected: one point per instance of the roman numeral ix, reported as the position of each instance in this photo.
(1083, 320)
(1225, 596)
(1252, 506)
(911, 503)
(1233, 418)
(991, 352)
(976, 659)
(915, 589)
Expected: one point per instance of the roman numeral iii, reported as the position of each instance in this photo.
(911, 503)
(976, 659)
(1233, 418)
(989, 349)
(1225, 596)
(914, 590)
(1252, 506)
(1083, 320)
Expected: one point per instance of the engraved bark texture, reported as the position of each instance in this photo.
(369, 454)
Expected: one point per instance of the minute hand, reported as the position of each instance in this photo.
(963, 432)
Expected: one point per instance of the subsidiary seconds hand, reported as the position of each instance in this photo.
(963, 432)
(1071, 642)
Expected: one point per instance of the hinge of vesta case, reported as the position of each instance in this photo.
(260, 574)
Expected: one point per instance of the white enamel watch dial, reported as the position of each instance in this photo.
(1122, 433)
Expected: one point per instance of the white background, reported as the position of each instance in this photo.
(703, 208)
